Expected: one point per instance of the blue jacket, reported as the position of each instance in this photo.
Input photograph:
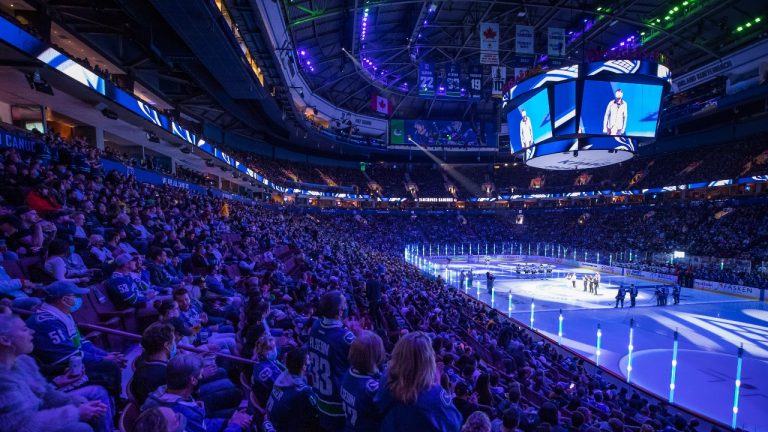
(292, 405)
(433, 411)
(357, 393)
(188, 407)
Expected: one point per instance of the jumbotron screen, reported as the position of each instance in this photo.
(587, 116)
(620, 109)
(532, 122)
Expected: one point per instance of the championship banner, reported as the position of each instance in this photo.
(499, 77)
(556, 42)
(452, 80)
(426, 79)
(524, 39)
(489, 43)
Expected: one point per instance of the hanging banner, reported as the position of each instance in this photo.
(524, 39)
(499, 77)
(556, 42)
(426, 79)
(475, 86)
(452, 80)
(489, 43)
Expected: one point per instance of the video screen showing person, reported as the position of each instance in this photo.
(620, 109)
(430, 133)
(530, 122)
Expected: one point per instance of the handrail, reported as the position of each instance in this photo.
(135, 337)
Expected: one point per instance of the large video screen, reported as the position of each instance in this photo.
(530, 123)
(565, 108)
(432, 133)
(620, 108)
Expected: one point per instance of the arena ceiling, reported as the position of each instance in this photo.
(401, 33)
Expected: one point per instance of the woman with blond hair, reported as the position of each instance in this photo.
(410, 396)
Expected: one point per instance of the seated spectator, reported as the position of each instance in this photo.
(191, 312)
(361, 382)
(410, 395)
(158, 342)
(56, 265)
(32, 234)
(98, 250)
(18, 290)
(291, 394)
(478, 421)
(57, 339)
(28, 403)
(122, 287)
(267, 370)
(160, 420)
(184, 374)
(158, 271)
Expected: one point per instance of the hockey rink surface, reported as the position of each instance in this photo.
(711, 327)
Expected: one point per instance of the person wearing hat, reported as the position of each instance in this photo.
(58, 341)
(122, 288)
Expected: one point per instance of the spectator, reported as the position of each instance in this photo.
(478, 421)
(292, 395)
(160, 420)
(267, 370)
(183, 375)
(409, 395)
(361, 382)
(28, 403)
(122, 288)
(329, 343)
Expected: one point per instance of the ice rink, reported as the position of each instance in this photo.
(711, 327)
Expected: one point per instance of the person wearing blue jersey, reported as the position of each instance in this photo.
(361, 382)
(57, 339)
(266, 371)
(293, 406)
(410, 397)
(122, 287)
(329, 342)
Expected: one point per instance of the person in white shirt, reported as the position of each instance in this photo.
(615, 119)
(526, 130)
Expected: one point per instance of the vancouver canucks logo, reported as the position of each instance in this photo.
(445, 397)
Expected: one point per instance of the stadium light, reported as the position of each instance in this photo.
(597, 345)
(737, 387)
(533, 307)
(674, 370)
(630, 348)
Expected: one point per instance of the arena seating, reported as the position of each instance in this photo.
(234, 256)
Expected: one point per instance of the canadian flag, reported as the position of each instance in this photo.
(380, 104)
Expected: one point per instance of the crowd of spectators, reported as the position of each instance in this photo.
(335, 329)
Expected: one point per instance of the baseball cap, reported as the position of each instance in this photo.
(60, 289)
(123, 259)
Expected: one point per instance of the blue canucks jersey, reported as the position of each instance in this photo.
(357, 393)
(329, 343)
(433, 411)
(265, 373)
(123, 291)
(292, 406)
(55, 342)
